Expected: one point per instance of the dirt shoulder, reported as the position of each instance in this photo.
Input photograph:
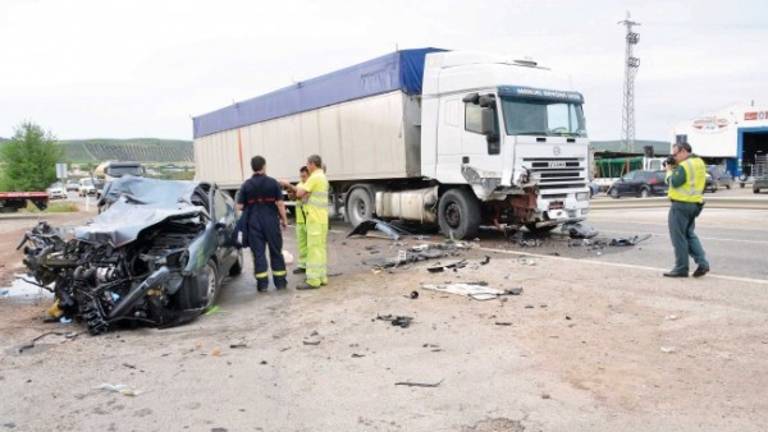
(583, 348)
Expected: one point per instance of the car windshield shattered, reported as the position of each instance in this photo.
(155, 255)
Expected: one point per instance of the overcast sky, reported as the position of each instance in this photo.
(123, 69)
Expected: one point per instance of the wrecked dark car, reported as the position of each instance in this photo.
(155, 255)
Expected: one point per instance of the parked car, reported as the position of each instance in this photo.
(87, 187)
(717, 176)
(156, 255)
(73, 186)
(57, 191)
(639, 183)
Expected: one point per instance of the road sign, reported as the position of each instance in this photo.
(61, 171)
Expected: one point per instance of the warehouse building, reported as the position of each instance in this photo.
(732, 137)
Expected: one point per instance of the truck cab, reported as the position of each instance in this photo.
(510, 130)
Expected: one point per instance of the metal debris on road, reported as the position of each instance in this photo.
(389, 230)
(402, 321)
(414, 295)
(474, 290)
(119, 388)
(503, 323)
(579, 231)
(31, 344)
(418, 384)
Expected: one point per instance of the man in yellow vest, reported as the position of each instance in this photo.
(301, 225)
(314, 193)
(686, 179)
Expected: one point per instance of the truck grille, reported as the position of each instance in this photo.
(556, 174)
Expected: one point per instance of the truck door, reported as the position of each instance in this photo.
(479, 149)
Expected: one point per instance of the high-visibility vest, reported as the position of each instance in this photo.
(299, 205)
(316, 205)
(692, 191)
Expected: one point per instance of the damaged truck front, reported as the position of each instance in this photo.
(155, 255)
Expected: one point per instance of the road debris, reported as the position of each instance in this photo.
(389, 230)
(418, 384)
(356, 355)
(402, 321)
(579, 231)
(474, 290)
(119, 388)
(31, 344)
(238, 345)
(668, 350)
(503, 323)
(420, 253)
(414, 295)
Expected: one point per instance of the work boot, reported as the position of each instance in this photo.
(281, 286)
(306, 286)
(261, 289)
(299, 270)
(700, 271)
(676, 275)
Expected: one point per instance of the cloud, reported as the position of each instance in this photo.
(87, 68)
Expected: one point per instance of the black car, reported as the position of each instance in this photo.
(717, 176)
(156, 254)
(639, 183)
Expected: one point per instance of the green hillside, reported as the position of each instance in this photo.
(132, 149)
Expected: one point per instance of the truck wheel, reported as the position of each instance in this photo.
(359, 206)
(459, 214)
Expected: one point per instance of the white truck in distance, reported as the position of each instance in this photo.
(458, 139)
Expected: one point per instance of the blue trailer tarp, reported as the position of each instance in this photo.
(401, 70)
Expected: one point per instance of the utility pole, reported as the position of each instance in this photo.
(631, 64)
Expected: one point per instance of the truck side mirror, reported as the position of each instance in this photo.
(471, 98)
(488, 121)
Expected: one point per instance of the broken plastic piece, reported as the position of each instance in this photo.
(389, 230)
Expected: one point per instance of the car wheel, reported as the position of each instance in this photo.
(458, 214)
(200, 289)
(728, 186)
(237, 267)
(614, 193)
(755, 190)
(644, 193)
(359, 206)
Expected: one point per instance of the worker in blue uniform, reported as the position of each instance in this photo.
(261, 200)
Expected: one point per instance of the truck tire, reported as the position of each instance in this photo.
(458, 213)
(360, 206)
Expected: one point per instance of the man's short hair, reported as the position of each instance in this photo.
(304, 169)
(315, 160)
(683, 146)
(257, 163)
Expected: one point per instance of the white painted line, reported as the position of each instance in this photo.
(702, 238)
(612, 264)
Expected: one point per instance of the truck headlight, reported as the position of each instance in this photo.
(582, 196)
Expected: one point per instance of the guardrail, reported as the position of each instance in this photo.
(747, 203)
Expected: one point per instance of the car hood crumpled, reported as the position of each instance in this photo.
(137, 203)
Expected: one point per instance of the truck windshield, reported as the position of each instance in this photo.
(548, 117)
(119, 171)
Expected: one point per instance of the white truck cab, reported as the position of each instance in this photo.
(512, 130)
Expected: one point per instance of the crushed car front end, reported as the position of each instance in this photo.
(145, 259)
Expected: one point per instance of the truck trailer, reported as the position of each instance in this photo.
(449, 138)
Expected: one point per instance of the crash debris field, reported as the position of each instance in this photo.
(421, 334)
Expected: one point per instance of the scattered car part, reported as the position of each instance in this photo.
(389, 230)
(397, 321)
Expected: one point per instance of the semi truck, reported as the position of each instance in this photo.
(449, 138)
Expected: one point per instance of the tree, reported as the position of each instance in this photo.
(29, 159)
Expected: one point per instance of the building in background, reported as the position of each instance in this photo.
(732, 137)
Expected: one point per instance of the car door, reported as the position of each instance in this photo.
(224, 217)
(625, 183)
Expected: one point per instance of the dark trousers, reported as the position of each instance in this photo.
(682, 221)
(263, 237)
